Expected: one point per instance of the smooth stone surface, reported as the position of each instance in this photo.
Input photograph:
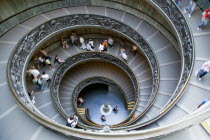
(170, 71)
(146, 30)
(158, 41)
(193, 96)
(76, 10)
(174, 114)
(96, 10)
(131, 20)
(114, 14)
(189, 134)
(6, 99)
(10, 125)
(55, 13)
(34, 22)
(202, 46)
(167, 56)
(169, 84)
(3, 68)
(14, 35)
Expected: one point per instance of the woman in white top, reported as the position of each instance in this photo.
(91, 43)
(89, 48)
(123, 54)
(110, 41)
(101, 47)
(46, 77)
(33, 72)
(82, 41)
(73, 38)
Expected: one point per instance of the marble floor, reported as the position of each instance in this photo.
(95, 96)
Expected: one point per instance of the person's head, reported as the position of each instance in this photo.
(56, 56)
(116, 106)
(90, 39)
(43, 72)
(33, 67)
(134, 116)
(71, 117)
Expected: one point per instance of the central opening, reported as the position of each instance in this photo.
(101, 101)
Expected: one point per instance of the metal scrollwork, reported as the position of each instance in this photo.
(96, 80)
(28, 44)
(184, 33)
(84, 57)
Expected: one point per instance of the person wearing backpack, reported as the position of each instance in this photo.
(72, 121)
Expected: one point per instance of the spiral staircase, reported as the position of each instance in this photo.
(157, 84)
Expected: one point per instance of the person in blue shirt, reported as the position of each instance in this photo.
(203, 102)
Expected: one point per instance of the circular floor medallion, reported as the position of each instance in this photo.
(106, 110)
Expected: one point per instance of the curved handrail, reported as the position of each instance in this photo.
(92, 80)
(27, 45)
(184, 35)
(143, 134)
(28, 9)
(65, 4)
(181, 26)
(74, 102)
(85, 57)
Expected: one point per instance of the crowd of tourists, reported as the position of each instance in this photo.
(39, 76)
(43, 60)
(41, 79)
(89, 45)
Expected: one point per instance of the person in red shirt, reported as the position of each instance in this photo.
(204, 19)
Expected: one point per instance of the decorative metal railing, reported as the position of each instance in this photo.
(168, 8)
(96, 80)
(179, 23)
(181, 26)
(28, 44)
(85, 57)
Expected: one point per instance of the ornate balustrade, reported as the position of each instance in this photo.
(95, 80)
(86, 57)
(28, 44)
(170, 10)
